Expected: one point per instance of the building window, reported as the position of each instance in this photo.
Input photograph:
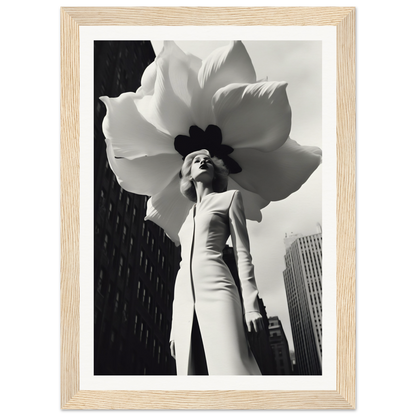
(124, 234)
(161, 291)
(116, 302)
(128, 277)
(125, 312)
(120, 266)
(151, 273)
(127, 204)
(105, 241)
(141, 331)
(138, 289)
(100, 282)
(131, 244)
(120, 195)
(135, 325)
(114, 254)
(147, 338)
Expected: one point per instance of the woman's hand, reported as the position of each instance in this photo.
(172, 349)
(254, 321)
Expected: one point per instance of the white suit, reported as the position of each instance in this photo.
(205, 287)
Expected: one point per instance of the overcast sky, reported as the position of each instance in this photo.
(299, 63)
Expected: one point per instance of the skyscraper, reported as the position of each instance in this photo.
(135, 263)
(259, 343)
(280, 347)
(303, 283)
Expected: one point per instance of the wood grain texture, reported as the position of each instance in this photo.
(208, 16)
(346, 208)
(70, 298)
(213, 400)
(71, 395)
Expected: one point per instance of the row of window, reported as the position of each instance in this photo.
(150, 240)
(146, 300)
(314, 285)
(143, 296)
(311, 241)
(128, 203)
(144, 261)
(145, 338)
(310, 257)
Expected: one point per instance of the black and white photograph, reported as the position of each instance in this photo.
(208, 208)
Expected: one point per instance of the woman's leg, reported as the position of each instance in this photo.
(198, 363)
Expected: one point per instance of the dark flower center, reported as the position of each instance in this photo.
(211, 140)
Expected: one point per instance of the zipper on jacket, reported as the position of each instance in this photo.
(192, 253)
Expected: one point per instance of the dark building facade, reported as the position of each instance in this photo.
(280, 347)
(259, 343)
(135, 263)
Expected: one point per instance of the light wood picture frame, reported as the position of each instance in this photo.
(343, 397)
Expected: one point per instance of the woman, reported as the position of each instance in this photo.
(208, 335)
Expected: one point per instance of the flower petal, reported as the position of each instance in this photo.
(276, 175)
(253, 115)
(146, 175)
(148, 80)
(223, 66)
(169, 209)
(168, 108)
(253, 203)
(130, 134)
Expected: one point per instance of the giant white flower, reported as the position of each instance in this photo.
(185, 104)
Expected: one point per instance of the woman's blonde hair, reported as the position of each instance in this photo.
(219, 183)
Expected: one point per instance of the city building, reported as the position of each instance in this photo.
(280, 346)
(135, 263)
(303, 283)
(259, 343)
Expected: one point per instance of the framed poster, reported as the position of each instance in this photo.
(118, 271)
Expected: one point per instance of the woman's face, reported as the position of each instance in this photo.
(202, 168)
